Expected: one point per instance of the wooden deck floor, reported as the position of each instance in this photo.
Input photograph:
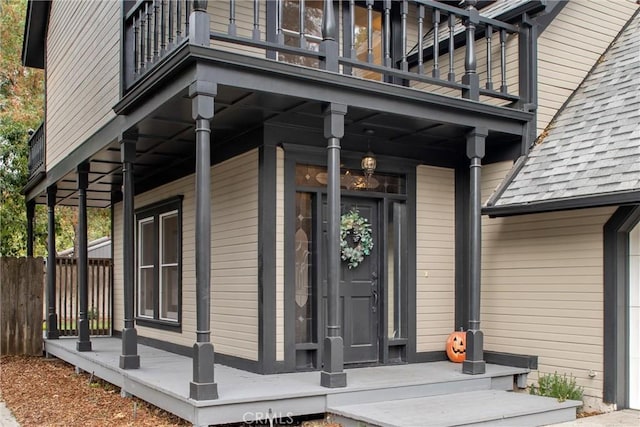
(163, 380)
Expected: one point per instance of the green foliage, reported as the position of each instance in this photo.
(356, 241)
(560, 387)
(21, 109)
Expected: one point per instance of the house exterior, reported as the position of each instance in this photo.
(229, 139)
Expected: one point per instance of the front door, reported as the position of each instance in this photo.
(359, 290)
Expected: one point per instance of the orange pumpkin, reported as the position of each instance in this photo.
(457, 346)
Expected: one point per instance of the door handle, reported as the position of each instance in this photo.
(375, 297)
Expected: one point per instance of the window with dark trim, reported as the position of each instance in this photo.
(159, 264)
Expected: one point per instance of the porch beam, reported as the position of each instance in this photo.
(333, 374)
(84, 343)
(203, 386)
(52, 317)
(31, 212)
(474, 363)
(129, 359)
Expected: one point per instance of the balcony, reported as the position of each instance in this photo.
(484, 55)
(37, 153)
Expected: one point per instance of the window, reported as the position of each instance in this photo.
(159, 246)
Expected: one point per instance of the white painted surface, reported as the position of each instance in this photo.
(634, 318)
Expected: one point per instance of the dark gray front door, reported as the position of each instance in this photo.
(359, 292)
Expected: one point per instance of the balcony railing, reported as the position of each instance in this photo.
(420, 43)
(37, 152)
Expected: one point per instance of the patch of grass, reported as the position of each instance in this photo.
(558, 386)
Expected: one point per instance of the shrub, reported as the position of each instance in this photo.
(560, 387)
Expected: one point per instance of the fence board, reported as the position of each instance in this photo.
(21, 289)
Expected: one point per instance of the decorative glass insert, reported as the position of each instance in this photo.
(396, 268)
(304, 297)
(351, 179)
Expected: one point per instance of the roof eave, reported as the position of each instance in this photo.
(35, 33)
(592, 201)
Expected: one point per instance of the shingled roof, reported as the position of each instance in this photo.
(590, 155)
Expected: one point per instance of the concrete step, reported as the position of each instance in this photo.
(473, 408)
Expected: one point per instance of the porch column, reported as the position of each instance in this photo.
(333, 374)
(470, 76)
(83, 344)
(31, 213)
(52, 317)
(129, 359)
(203, 386)
(528, 77)
(474, 363)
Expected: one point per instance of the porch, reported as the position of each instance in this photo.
(163, 380)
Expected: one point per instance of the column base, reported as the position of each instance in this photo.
(83, 345)
(474, 363)
(203, 391)
(474, 367)
(333, 379)
(203, 386)
(129, 359)
(333, 375)
(53, 333)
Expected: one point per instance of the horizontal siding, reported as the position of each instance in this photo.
(234, 291)
(82, 72)
(435, 256)
(571, 45)
(542, 291)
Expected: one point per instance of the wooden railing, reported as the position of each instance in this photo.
(37, 151)
(99, 296)
(443, 54)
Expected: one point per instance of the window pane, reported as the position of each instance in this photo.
(146, 243)
(145, 292)
(305, 321)
(361, 41)
(396, 268)
(170, 239)
(351, 179)
(311, 30)
(169, 293)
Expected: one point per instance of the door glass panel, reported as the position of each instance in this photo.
(305, 319)
(396, 268)
(351, 179)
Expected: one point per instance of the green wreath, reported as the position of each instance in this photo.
(355, 238)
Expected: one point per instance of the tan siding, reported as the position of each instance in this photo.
(280, 254)
(492, 176)
(571, 45)
(83, 74)
(435, 253)
(542, 290)
(219, 15)
(234, 278)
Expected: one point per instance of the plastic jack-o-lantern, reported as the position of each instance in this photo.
(457, 346)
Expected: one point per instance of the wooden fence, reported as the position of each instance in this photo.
(21, 285)
(99, 296)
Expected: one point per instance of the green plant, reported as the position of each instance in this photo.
(558, 386)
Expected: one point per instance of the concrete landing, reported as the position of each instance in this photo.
(483, 407)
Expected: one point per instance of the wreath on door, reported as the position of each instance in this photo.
(355, 238)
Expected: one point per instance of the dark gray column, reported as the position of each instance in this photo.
(52, 317)
(329, 45)
(31, 213)
(333, 374)
(528, 77)
(470, 76)
(474, 363)
(129, 359)
(84, 343)
(203, 386)
(199, 29)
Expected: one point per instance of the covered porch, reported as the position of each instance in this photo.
(163, 380)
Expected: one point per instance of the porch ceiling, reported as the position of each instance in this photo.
(166, 139)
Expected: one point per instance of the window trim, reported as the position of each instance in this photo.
(156, 212)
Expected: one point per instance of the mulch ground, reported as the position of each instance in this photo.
(48, 392)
